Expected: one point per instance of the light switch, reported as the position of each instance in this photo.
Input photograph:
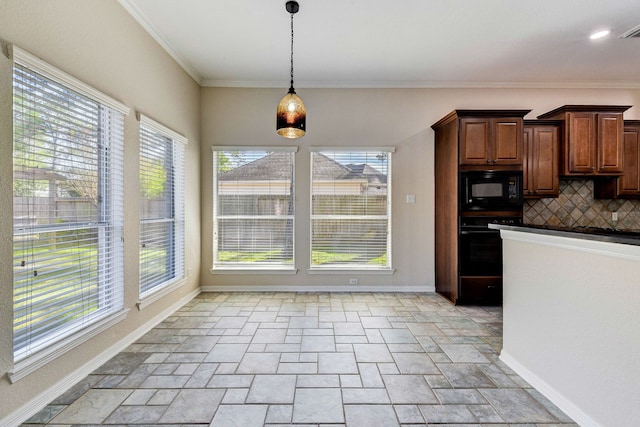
(411, 198)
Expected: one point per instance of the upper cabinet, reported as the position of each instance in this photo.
(626, 186)
(541, 149)
(490, 138)
(592, 139)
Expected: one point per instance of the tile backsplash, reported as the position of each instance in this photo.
(576, 207)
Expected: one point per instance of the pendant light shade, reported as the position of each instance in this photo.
(291, 116)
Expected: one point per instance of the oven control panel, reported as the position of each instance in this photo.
(484, 221)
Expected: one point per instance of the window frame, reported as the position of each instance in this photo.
(218, 267)
(360, 268)
(108, 226)
(175, 173)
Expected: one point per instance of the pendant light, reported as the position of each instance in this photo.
(291, 116)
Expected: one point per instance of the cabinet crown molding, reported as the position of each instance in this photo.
(584, 108)
(455, 114)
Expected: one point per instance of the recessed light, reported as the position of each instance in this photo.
(599, 34)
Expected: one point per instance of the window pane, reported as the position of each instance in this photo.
(65, 285)
(67, 211)
(350, 209)
(157, 263)
(161, 207)
(253, 209)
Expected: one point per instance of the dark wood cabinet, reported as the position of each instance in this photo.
(626, 186)
(491, 141)
(540, 166)
(591, 139)
(469, 140)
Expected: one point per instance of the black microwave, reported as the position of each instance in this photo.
(490, 190)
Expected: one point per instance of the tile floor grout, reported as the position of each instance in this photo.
(310, 359)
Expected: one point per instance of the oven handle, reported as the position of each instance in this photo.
(467, 232)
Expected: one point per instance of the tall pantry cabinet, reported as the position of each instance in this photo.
(467, 140)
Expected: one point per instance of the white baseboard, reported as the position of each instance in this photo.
(36, 404)
(564, 404)
(320, 288)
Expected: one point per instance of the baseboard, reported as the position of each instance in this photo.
(564, 404)
(40, 401)
(320, 288)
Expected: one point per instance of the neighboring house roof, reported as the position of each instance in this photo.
(275, 166)
(373, 175)
(327, 169)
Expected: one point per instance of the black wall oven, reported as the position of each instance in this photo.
(490, 190)
(480, 246)
(480, 258)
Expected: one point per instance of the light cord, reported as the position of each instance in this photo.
(291, 90)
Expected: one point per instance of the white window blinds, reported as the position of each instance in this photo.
(161, 206)
(351, 208)
(253, 207)
(67, 206)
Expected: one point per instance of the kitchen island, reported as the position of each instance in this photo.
(571, 303)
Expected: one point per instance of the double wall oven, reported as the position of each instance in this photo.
(486, 197)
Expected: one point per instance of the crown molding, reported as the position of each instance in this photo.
(422, 84)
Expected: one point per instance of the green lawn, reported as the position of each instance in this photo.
(317, 257)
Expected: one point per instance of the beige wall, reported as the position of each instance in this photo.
(97, 42)
(363, 117)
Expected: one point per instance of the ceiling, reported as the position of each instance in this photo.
(399, 43)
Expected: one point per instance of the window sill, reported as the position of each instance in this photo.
(256, 270)
(39, 359)
(354, 270)
(162, 291)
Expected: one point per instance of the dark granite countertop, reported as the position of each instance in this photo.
(588, 233)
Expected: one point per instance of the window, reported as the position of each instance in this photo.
(351, 209)
(253, 208)
(67, 207)
(161, 206)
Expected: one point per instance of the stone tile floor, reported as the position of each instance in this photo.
(310, 359)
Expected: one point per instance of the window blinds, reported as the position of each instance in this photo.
(161, 206)
(253, 207)
(351, 208)
(67, 206)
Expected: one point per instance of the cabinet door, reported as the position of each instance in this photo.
(580, 150)
(610, 131)
(506, 141)
(474, 141)
(541, 148)
(544, 149)
(629, 182)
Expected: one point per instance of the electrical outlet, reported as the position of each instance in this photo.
(353, 281)
(614, 216)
